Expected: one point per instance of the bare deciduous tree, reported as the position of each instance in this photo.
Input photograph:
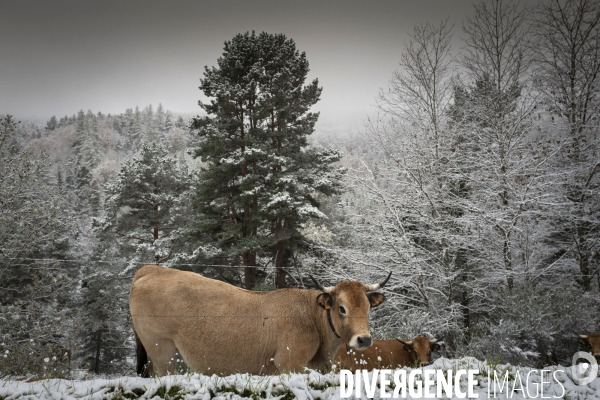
(400, 209)
(567, 53)
(495, 120)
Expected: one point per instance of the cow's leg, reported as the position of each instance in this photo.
(194, 358)
(324, 359)
(294, 358)
(163, 357)
(320, 363)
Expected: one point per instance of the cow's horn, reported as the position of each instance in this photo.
(583, 336)
(320, 287)
(433, 341)
(408, 342)
(376, 286)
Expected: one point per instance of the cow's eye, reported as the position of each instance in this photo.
(342, 310)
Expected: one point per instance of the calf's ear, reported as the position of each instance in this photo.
(325, 300)
(435, 347)
(375, 298)
(407, 346)
(583, 340)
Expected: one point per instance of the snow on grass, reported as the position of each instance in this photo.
(309, 386)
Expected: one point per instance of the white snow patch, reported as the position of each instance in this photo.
(306, 386)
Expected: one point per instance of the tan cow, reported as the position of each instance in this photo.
(593, 341)
(387, 354)
(219, 328)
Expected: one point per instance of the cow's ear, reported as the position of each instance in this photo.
(409, 348)
(375, 298)
(325, 300)
(435, 347)
(583, 341)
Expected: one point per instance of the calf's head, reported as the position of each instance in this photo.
(420, 349)
(593, 341)
(347, 305)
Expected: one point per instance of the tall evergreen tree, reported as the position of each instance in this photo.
(260, 181)
(51, 124)
(102, 336)
(168, 122)
(136, 131)
(160, 120)
(146, 207)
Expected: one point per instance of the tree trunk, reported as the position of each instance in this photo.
(98, 346)
(465, 309)
(280, 256)
(584, 265)
(280, 265)
(249, 258)
(155, 232)
(510, 279)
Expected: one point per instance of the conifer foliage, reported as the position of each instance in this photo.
(146, 206)
(261, 179)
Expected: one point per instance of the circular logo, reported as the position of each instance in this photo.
(578, 371)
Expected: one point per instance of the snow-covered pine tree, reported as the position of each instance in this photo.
(260, 179)
(103, 330)
(136, 131)
(147, 209)
(168, 122)
(51, 124)
(160, 120)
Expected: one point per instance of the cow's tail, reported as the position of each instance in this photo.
(142, 357)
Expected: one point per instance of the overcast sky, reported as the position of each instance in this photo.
(57, 57)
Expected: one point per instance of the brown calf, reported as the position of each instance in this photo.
(387, 354)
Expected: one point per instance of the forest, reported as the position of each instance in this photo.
(476, 182)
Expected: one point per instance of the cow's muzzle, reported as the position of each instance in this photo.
(362, 342)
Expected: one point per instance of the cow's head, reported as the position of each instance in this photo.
(420, 349)
(347, 305)
(592, 340)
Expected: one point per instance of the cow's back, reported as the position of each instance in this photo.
(215, 326)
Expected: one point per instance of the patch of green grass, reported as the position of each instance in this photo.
(138, 392)
(246, 392)
(129, 394)
(493, 364)
(119, 394)
(320, 385)
(171, 394)
(288, 395)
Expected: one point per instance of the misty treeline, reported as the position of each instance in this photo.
(476, 182)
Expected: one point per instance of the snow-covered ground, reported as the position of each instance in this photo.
(311, 385)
